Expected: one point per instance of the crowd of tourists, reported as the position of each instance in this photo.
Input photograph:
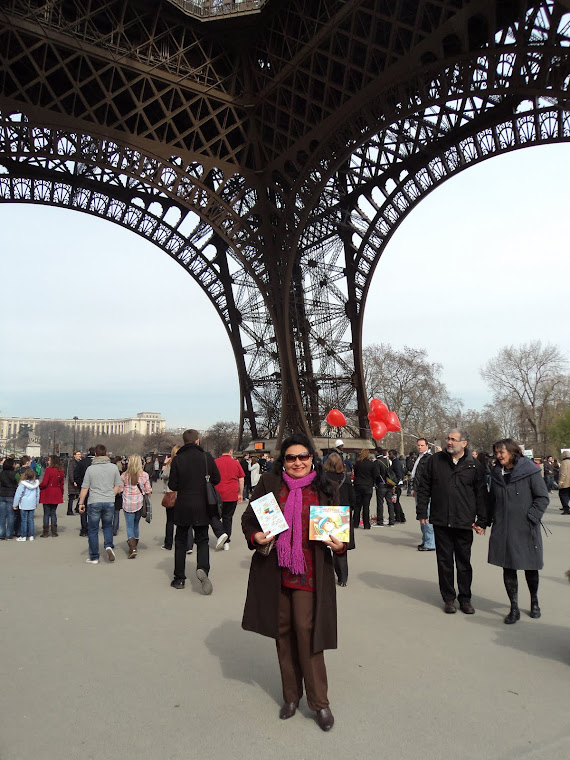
(291, 592)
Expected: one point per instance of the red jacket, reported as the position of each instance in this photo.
(51, 487)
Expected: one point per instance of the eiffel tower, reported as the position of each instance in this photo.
(272, 148)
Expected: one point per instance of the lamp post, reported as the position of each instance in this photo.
(54, 442)
(74, 431)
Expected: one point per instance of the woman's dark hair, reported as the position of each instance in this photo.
(321, 482)
(55, 462)
(511, 446)
(8, 464)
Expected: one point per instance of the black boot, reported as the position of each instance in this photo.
(514, 614)
(534, 608)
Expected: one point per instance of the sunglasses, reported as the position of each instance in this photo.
(301, 457)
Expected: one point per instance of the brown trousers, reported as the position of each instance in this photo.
(294, 650)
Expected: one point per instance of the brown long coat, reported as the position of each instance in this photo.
(261, 612)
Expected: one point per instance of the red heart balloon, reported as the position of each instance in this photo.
(378, 430)
(378, 410)
(392, 422)
(335, 418)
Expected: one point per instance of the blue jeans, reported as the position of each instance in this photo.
(27, 523)
(6, 517)
(428, 538)
(50, 514)
(100, 511)
(116, 521)
(132, 520)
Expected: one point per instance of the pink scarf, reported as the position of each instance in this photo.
(290, 542)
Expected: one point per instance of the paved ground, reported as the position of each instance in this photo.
(108, 662)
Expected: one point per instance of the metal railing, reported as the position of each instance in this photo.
(206, 10)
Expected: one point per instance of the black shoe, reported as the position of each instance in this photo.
(287, 710)
(466, 608)
(425, 549)
(82, 533)
(177, 583)
(420, 546)
(450, 608)
(513, 616)
(325, 719)
(70, 512)
(535, 612)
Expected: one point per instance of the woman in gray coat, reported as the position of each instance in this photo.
(519, 498)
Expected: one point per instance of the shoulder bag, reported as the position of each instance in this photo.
(169, 499)
(146, 510)
(213, 499)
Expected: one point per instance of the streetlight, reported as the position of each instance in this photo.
(74, 431)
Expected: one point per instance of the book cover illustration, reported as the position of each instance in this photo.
(269, 514)
(324, 521)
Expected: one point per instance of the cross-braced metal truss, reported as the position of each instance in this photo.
(273, 157)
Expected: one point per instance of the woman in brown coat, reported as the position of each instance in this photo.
(291, 594)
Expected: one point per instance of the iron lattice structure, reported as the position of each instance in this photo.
(273, 153)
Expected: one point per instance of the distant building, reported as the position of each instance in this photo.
(144, 423)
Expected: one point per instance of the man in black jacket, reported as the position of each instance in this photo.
(188, 472)
(455, 483)
(78, 475)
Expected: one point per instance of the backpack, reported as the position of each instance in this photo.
(387, 474)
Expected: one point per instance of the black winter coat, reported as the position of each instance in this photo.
(458, 492)
(188, 478)
(365, 474)
(8, 483)
(516, 509)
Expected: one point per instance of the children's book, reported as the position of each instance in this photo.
(324, 521)
(269, 514)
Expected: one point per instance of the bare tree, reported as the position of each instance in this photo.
(220, 437)
(529, 379)
(411, 386)
(161, 441)
(483, 428)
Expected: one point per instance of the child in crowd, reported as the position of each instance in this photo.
(26, 498)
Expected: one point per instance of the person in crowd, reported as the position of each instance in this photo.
(149, 467)
(51, 494)
(80, 470)
(188, 478)
(339, 449)
(291, 593)
(103, 482)
(245, 461)
(20, 466)
(398, 470)
(428, 540)
(335, 471)
(455, 483)
(72, 488)
(385, 490)
(156, 466)
(166, 471)
(118, 497)
(8, 486)
(564, 483)
(548, 470)
(254, 472)
(230, 489)
(555, 471)
(135, 483)
(26, 499)
(410, 462)
(518, 499)
(366, 472)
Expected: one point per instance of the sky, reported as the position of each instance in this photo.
(100, 323)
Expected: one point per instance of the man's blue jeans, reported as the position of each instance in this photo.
(103, 511)
(6, 517)
(428, 538)
(132, 520)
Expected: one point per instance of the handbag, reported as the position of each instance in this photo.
(169, 499)
(213, 498)
(146, 511)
